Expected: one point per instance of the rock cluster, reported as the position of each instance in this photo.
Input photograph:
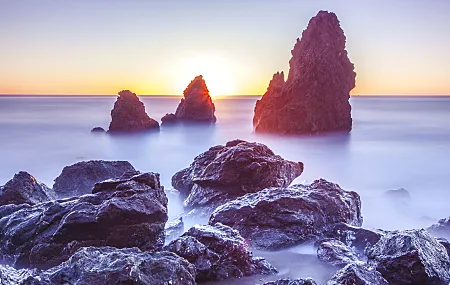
(280, 217)
(127, 212)
(195, 107)
(25, 189)
(79, 179)
(223, 173)
(218, 252)
(315, 96)
(128, 115)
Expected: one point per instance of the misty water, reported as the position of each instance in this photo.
(395, 142)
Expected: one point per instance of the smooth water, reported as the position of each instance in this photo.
(395, 142)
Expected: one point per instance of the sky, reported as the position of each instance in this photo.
(98, 47)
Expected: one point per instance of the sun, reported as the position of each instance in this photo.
(216, 71)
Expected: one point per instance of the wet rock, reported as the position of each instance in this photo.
(223, 173)
(218, 252)
(410, 257)
(79, 179)
(169, 119)
(276, 218)
(356, 238)
(196, 106)
(441, 229)
(98, 130)
(358, 274)
(11, 276)
(25, 189)
(174, 229)
(122, 213)
(315, 96)
(108, 265)
(128, 115)
(445, 243)
(336, 253)
(301, 281)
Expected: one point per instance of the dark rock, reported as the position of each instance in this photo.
(196, 106)
(441, 229)
(11, 276)
(98, 130)
(301, 281)
(25, 189)
(276, 218)
(129, 213)
(223, 173)
(315, 96)
(336, 253)
(128, 115)
(108, 266)
(357, 238)
(410, 257)
(218, 252)
(357, 274)
(169, 119)
(79, 179)
(174, 229)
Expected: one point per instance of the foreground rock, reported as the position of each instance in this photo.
(223, 173)
(128, 115)
(410, 257)
(11, 276)
(25, 189)
(276, 218)
(195, 107)
(336, 253)
(128, 212)
(79, 179)
(357, 274)
(218, 253)
(108, 265)
(357, 238)
(315, 96)
(301, 281)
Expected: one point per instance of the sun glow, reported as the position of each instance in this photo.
(216, 72)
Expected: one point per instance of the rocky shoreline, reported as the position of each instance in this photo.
(119, 233)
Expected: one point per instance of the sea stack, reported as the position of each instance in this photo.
(315, 97)
(128, 115)
(195, 107)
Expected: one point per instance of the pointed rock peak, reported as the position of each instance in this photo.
(197, 86)
(127, 95)
(276, 83)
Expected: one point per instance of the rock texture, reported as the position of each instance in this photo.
(128, 212)
(128, 115)
(336, 253)
(195, 107)
(112, 266)
(223, 173)
(315, 96)
(357, 274)
(11, 276)
(25, 189)
(441, 229)
(410, 257)
(79, 179)
(280, 217)
(174, 229)
(301, 281)
(218, 252)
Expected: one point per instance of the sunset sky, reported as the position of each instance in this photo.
(157, 47)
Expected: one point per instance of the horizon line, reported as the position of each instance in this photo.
(215, 96)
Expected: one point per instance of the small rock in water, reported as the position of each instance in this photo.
(357, 274)
(400, 195)
(79, 179)
(25, 189)
(218, 252)
(441, 229)
(98, 130)
(128, 115)
(169, 119)
(276, 218)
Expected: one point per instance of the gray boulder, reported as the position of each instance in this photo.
(410, 257)
(128, 212)
(25, 189)
(336, 253)
(357, 274)
(276, 218)
(218, 252)
(79, 179)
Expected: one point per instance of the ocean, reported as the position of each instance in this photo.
(396, 142)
